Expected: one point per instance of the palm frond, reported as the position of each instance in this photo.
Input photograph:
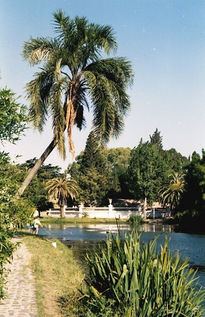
(62, 188)
(62, 23)
(118, 70)
(98, 38)
(37, 92)
(39, 49)
(56, 107)
(172, 193)
(107, 80)
(103, 112)
(104, 38)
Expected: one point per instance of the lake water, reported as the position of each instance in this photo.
(188, 245)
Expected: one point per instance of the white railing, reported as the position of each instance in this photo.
(96, 212)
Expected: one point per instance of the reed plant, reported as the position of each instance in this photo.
(132, 279)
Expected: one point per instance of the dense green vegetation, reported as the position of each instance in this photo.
(147, 171)
(14, 211)
(13, 116)
(150, 169)
(129, 278)
(143, 172)
(36, 193)
(99, 172)
(192, 204)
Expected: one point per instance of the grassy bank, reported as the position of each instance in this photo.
(57, 276)
(81, 220)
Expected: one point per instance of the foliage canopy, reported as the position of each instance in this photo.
(13, 117)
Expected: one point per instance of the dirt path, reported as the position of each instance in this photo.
(20, 300)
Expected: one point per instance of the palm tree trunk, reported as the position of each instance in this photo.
(38, 164)
(62, 211)
(145, 208)
(36, 167)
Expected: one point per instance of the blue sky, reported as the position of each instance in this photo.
(164, 40)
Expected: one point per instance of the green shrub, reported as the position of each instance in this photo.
(132, 279)
(135, 220)
(6, 248)
(14, 214)
(21, 211)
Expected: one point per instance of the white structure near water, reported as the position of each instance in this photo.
(97, 212)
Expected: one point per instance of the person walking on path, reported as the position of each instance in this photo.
(20, 298)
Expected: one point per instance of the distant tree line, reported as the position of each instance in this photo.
(139, 173)
(146, 172)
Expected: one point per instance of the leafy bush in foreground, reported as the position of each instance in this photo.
(6, 248)
(14, 213)
(131, 279)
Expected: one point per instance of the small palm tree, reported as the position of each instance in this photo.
(72, 77)
(171, 195)
(60, 189)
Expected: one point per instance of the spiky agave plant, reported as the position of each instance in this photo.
(132, 279)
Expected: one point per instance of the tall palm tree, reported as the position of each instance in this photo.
(72, 73)
(60, 189)
(172, 194)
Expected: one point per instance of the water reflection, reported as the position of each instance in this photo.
(155, 227)
(188, 245)
(94, 231)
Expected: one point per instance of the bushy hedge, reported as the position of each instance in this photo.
(130, 278)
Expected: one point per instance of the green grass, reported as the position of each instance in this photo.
(51, 220)
(57, 276)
